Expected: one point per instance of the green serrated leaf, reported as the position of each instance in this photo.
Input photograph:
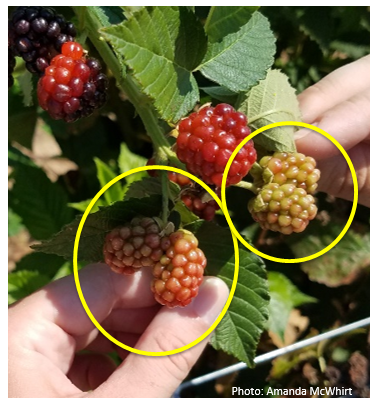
(239, 60)
(239, 331)
(130, 10)
(14, 223)
(45, 264)
(186, 215)
(221, 93)
(225, 20)
(343, 263)
(42, 205)
(105, 174)
(162, 45)
(128, 160)
(107, 14)
(317, 23)
(82, 206)
(272, 100)
(24, 283)
(27, 88)
(150, 186)
(284, 296)
(96, 226)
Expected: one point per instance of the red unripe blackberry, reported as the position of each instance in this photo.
(175, 177)
(179, 272)
(71, 87)
(37, 34)
(133, 246)
(200, 203)
(283, 208)
(291, 168)
(207, 139)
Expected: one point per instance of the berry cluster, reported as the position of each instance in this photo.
(72, 86)
(179, 272)
(291, 168)
(200, 203)
(207, 139)
(178, 264)
(37, 35)
(284, 208)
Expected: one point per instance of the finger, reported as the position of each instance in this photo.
(130, 320)
(340, 85)
(59, 323)
(88, 371)
(336, 177)
(348, 123)
(171, 328)
(103, 345)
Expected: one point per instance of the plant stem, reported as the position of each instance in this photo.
(247, 185)
(140, 101)
(165, 194)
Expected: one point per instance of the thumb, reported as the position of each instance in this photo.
(148, 376)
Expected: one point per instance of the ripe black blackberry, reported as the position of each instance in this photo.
(37, 34)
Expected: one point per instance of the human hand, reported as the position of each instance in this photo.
(340, 105)
(47, 328)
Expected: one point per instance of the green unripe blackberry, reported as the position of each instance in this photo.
(284, 208)
(289, 168)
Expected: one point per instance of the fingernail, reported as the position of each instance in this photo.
(211, 299)
(304, 132)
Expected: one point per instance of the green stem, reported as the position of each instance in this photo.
(165, 194)
(140, 101)
(247, 185)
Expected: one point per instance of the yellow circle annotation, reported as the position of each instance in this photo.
(353, 209)
(77, 281)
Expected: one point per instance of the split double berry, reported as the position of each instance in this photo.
(207, 139)
(73, 86)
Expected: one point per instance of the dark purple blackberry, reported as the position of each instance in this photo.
(37, 35)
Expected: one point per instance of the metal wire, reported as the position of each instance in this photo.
(272, 354)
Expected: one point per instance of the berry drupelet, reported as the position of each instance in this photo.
(72, 86)
(207, 139)
(37, 35)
